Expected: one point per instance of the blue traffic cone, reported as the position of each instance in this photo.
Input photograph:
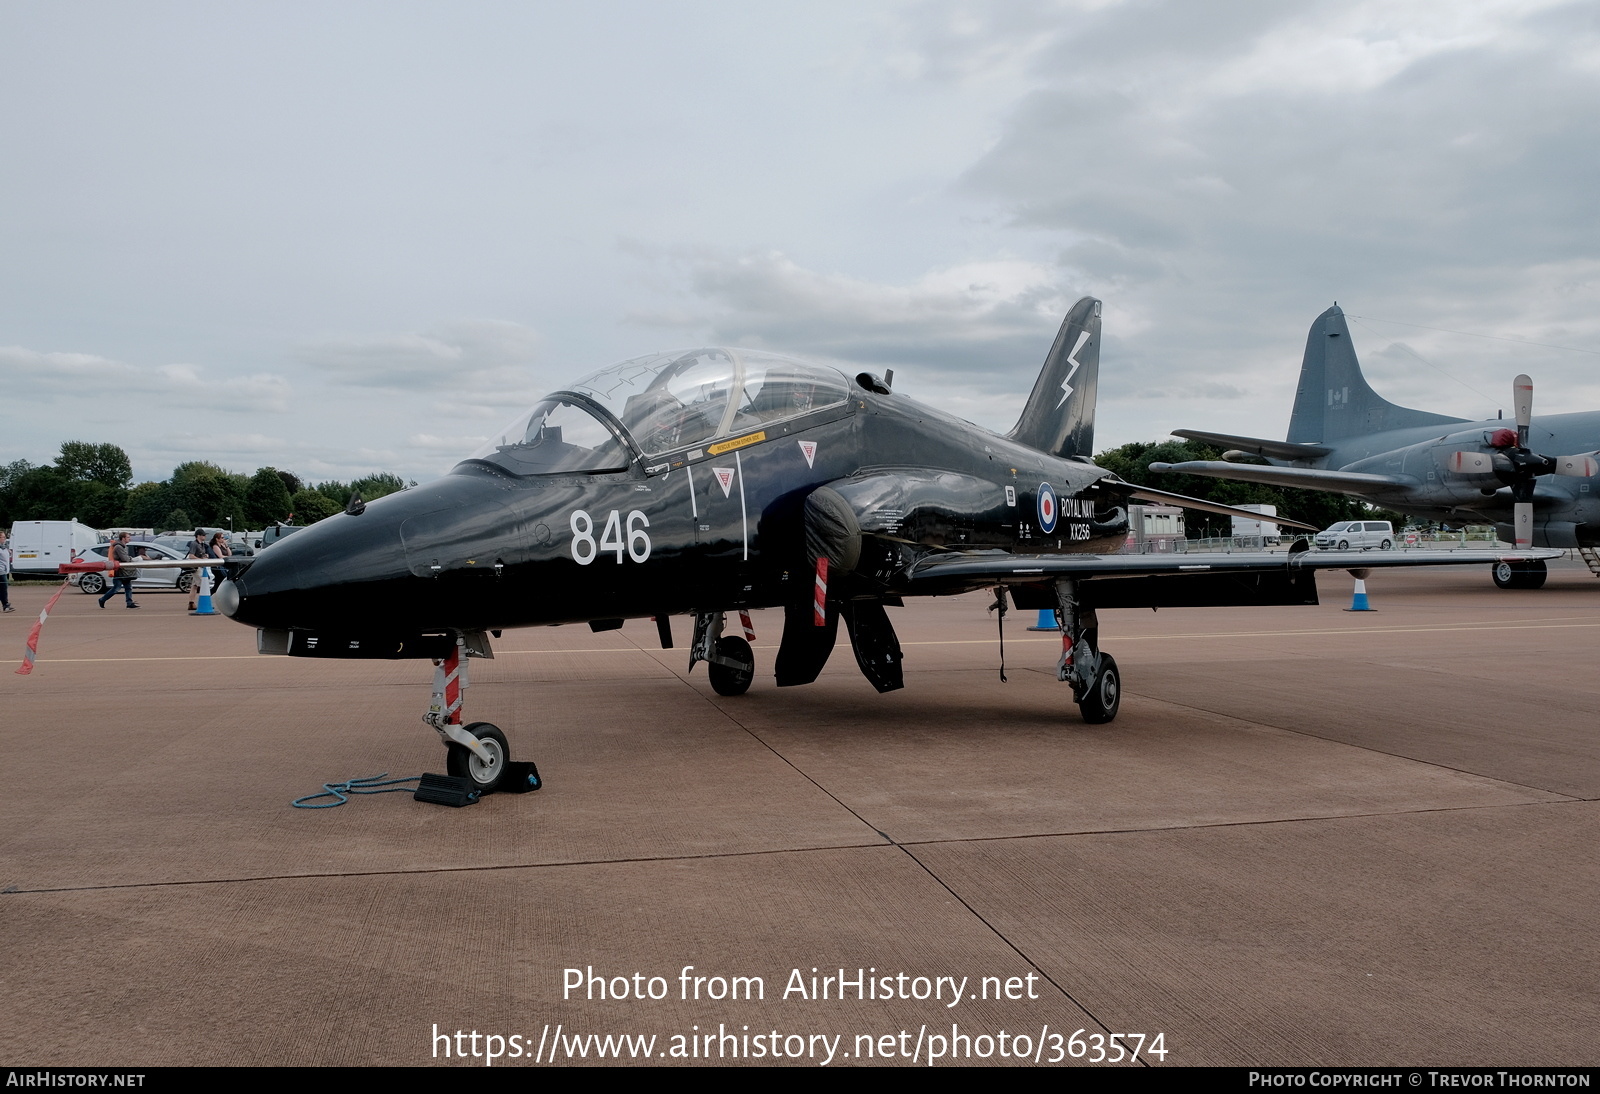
(203, 602)
(1358, 603)
(1047, 621)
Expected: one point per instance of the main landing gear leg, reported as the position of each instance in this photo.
(1096, 684)
(730, 662)
(478, 751)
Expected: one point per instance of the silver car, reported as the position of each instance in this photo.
(1357, 534)
(160, 580)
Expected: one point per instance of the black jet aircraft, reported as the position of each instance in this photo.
(717, 480)
(1345, 438)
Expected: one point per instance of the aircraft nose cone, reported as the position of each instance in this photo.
(345, 572)
(226, 598)
(373, 571)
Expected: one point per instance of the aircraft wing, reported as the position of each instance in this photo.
(1281, 450)
(1307, 478)
(1164, 497)
(949, 573)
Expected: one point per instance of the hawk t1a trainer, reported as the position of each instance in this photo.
(1346, 438)
(714, 480)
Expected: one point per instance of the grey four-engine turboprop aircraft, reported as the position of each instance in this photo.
(711, 481)
(1345, 438)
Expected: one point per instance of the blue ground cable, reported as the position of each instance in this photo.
(371, 784)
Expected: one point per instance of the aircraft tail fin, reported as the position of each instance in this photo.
(1334, 400)
(1059, 415)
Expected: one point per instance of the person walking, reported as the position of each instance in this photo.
(198, 548)
(123, 574)
(6, 560)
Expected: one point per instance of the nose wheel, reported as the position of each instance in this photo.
(477, 751)
(485, 772)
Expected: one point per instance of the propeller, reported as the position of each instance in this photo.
(1510, 460)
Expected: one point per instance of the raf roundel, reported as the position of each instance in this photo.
(1048, 509)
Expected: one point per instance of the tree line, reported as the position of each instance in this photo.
(93, 483)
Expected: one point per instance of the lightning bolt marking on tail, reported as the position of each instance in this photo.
(1072, 359)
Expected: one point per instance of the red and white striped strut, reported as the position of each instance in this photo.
(449, 676)
(32, 649)
(819, 615)
(749, 627)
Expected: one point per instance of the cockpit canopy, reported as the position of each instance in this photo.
(660, 404)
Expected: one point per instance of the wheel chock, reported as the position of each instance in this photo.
(452, 790)
(521, 777)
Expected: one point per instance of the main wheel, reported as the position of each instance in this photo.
(485, 775)
(1105, 694)
(730, 681)
(93, 584)
(1520, 575)
(1344, 545)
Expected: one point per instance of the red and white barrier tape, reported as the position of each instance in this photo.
(32, 650)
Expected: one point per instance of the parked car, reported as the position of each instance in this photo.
(153, 580)
(1362, 534)
(273, 533)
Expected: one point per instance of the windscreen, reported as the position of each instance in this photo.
(557, 435)
(670, 401)
(666, 401)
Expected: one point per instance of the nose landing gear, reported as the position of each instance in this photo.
(479, 751)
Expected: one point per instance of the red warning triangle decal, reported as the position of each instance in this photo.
(724, 478)
(808, 449)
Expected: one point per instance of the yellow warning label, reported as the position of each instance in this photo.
(737, 442)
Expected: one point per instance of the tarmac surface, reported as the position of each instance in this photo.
(1311, 837)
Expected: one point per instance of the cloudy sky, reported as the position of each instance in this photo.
(347, 237)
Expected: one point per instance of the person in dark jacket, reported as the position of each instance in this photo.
(198, 548)
(123, 575)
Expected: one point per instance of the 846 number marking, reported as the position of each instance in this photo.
(636, 543)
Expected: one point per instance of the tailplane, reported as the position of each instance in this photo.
(1059, 416)
(1334, 400)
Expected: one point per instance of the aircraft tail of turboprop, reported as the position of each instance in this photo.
(1059, 415)
(1334, 400)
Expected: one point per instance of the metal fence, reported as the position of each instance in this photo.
(1231, 544)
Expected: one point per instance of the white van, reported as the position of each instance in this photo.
(1357, 534)
(39, 546)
